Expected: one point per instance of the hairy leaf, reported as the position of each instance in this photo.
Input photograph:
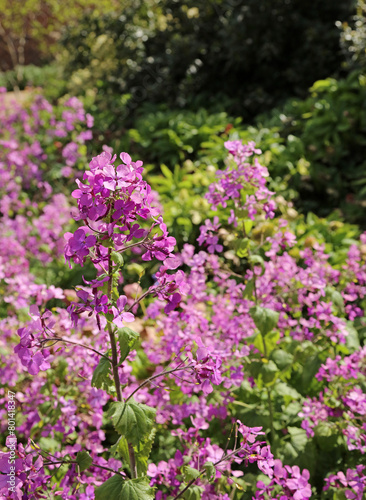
(265, 319)
(102, 376)
(117, 488)
(127, 340)
(84, 460)
(132, 420)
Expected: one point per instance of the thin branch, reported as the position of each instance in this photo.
(223, 459)
(60, 339)
(63, 462)
(145, 294)
(164, 372)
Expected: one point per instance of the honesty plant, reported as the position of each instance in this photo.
(210, 380)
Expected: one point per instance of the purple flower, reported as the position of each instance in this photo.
(77, 246)
(120, 314)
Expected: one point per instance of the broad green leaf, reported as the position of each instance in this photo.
(166, 171)
(117, 258)
(335, 297)
(284, 390)
(190, 473)
(210, 471)
(84, 460)
(117, 488)
(265, 319)
(298, 438)
(242, 248)
(352, 340)
(108, 243)
(127, 340)
(311, 367)
(120, 449)
(282, 358)
(132, 420)
(109, 317)
(249, 288)
(142, 451)
(248, 224)
(271, 342)
(102, 376)
(269, 372)
(193, 493)
(325, 436)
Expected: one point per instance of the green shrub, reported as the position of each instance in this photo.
(34, 76)
(245, 54)
(324, 154)
(353, 37)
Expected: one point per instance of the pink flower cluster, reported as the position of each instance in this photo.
(353, 483)
(248, 177)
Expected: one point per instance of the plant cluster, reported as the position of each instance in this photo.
(236, 372)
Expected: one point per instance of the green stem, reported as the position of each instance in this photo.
(117, 382)
(271, 419)
(270, 404)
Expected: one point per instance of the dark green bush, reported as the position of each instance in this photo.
(33, 76)
(324, 154)
(245, 54)
(353, 37)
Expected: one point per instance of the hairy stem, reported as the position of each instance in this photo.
(269, 397)
(117, 382)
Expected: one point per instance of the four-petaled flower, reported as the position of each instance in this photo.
(119, 314)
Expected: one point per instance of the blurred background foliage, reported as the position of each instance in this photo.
(170, 81)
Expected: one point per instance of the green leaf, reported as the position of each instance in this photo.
(249, 288)
(242, 250)
(335, 297)
(325, 436)
(132, 420)
(248, 224)
(311, 367)
(269, 372)
(109, 317)
(108, 243)
(120, 449)
(193, 493)
(298, 438)
(127, 340)
(117, 259)
(271, 342)
(190, 473)
(84, 460)
(352, 340)
(117, 488)
(102, 376)
(265, 319)
(168, 173)
(142, 452)
(210, 471)
(286, 390)
(282, 358)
